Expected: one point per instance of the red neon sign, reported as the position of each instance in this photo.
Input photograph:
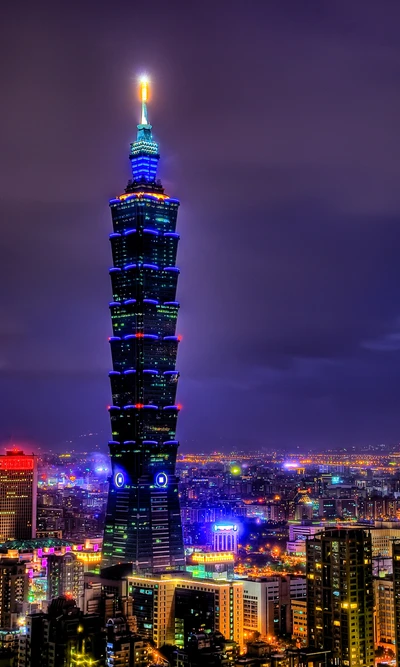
(16, 462)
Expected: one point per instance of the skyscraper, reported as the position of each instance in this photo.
(340, 605)
(143, 523)
(18, 496)
(13, 591)
(65, 577)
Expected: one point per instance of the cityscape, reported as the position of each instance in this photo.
(265, 537)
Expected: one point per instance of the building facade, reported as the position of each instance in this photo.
(225, 537)
(299, 621)
(267, 604)
(18, 496)
(63, 637)
(384, 612)
(340, 603)
(13, 591)
(220, 606)
(143, 523)
(65, 577)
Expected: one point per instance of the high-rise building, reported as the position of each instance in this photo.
(163, 614)
(340, 604)
(63, 637)
(143, 523)
(31, 642)
(13, 591)
(299, 621)
(18, 493)
(65, 577)
(396, 591)
(385, 628)
(267, 604)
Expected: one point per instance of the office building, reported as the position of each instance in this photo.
(385, 627)
(18, 493)
(340, 595)
(298, 533)
(13, 591)
(124, 648)
(63, 636)
(382, 538)
(65, 577)
(158, 600)
(31, 642)
(267, 604)
(143, 522)
(225, 537)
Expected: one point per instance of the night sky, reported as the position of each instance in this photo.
(278, 125)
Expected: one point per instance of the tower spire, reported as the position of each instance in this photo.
(144, 94)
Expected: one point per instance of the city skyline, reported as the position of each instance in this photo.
(284, 154)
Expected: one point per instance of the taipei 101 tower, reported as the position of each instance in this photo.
(143, 523)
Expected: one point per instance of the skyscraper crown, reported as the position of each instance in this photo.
(144, 155)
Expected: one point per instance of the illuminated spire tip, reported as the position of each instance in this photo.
(144, 96)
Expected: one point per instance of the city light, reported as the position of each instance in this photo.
(213, 557)
(270, 538)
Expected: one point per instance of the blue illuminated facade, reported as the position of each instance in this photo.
(143, 523)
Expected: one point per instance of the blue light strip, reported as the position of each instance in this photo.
(129, 231)
(113, 407)
(171, 373)
(150, 442)
(172, 235)
(128, 302)
(129, 371)
(155, 301)
(113, 373)
(151, 231)
(114, 303)
(171, 442)
(114, 268)
(130, 266)
(112, 338)
(114, 235)
(171, 268)
(172, 303)
(114, 442)
(129, 442)
(151, 371)
(151, 407)
(151, 266)
(171, 407)
(171, 338)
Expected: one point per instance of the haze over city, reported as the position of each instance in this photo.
(278, 127)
